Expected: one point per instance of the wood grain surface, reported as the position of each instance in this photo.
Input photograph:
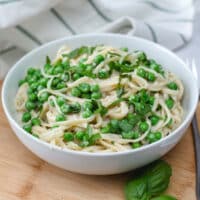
(25, 176)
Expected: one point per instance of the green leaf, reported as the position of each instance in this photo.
(158, 174)
(48, 60)
(136, 190)
(164, 197)
(79, 51)
(151, 181)
(125, 125)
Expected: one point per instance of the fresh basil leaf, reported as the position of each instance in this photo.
(158, 174)
(151, 180)
(136, 190)
(164, 197)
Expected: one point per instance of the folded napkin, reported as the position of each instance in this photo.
(26, 24)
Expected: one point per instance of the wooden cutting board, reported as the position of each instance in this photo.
(24, 176)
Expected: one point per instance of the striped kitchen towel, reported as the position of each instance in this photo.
(26, 24)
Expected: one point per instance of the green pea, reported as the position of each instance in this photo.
(34, 86)
(136, 135)
(151, 100)
(65, 64)
(76, 76)
(151, 137)
(102, 74)
(28, 128)
(20, 82)
(26, 116)
(136, 145)
(154, 120)
(31, 71)
(141, 72)
(61, 85)
(89, 68)
(60, 101)
(38, 73)
(31, 79)
(75, 92)
(170, 103)
(94, 88)
(43, 82)
(58, 70)
(60, 118)
(143, 126)
(84, 87)
(32, 97)
(43, 97)
(151, 77)
(65, 77)
(68, 137)
(35, 121)
(50, 71)
(98, 59)
(155, 66)
(143, 96)
(172, 86)
(40, 87)
(81, 68)
(87, 113)
(29, 105)
(96, 95)
(79, 135)
(65, 108)
(158, 135)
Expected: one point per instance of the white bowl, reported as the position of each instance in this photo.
(100, 163)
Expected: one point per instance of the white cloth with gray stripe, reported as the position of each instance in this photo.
(26, 24)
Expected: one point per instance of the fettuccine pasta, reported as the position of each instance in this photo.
(100, 99)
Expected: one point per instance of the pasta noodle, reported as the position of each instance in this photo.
(100, 99)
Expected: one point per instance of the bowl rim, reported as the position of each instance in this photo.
(51, 147)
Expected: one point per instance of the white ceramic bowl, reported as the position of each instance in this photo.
(100, 163)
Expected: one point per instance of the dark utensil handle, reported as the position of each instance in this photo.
(196, 140)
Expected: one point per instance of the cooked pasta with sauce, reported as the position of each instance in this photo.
(99, 99)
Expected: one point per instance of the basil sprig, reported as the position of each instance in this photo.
(150, 182)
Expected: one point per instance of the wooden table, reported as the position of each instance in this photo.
(25, 176)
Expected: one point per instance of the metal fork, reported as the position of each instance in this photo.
(195, 131)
